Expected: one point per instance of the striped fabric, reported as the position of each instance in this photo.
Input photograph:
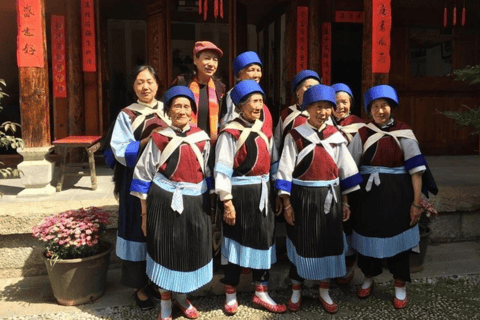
(248, 257)
(131, 250)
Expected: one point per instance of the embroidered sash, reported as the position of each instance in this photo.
(213, 108)
(351, 128)
(406, 133)
(145, 112)
(257, 128)
(292, 116)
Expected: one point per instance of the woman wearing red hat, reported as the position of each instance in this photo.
(207, 90)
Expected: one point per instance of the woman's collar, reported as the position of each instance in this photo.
(323, 126)
(387, 125)
(248, 123)
(148, 105)
(185, 129)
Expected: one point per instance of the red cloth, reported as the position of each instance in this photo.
(302, 38)
(88, 36)
(381, 26)
(326, 53)
(349, 16)
(59, 65)
(78, 140)
(30, 51)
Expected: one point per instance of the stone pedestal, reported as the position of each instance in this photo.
(36, 172)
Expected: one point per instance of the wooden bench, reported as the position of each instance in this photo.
(65, 145)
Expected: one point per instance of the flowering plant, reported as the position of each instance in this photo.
(73, 234)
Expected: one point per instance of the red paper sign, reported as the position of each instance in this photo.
(58, 57)
(327, 53)
(30, 51)
(381, 26)
(302, 38)
(349, 16)
(88, 36)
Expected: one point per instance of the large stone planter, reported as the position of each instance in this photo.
(78, 281)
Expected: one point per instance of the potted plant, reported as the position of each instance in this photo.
(76, 254)
(471, 117)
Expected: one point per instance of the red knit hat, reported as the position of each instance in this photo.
(206, 45)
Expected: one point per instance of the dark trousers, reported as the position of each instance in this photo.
(134, 274)
(232, 274)
(293, 273)
(399, 265)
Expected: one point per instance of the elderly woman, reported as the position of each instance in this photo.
(315, 174)
(348, 124)
(387, 210)
(293, 116)
(175, 206)
(207, 90)
(130, 134)
(243, 160)
(246, 66)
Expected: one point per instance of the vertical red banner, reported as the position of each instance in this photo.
(327, 53)
(381, 26)
(30, 51)
(58, 57)
(302, 38)
(88, 36)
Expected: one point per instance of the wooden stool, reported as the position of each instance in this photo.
(63, 146)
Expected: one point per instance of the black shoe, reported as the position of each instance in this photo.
(144, 304)
(153, 293)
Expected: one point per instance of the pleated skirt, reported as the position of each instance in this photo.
(179, 245)
(381, 217)
(250, 243)
(315, 244)
(131, 244)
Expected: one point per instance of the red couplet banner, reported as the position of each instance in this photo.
(30, 51)
(381, 26)
(327, 53)
(349, 16)
(58, 57)
(302, 38)
(88, 36)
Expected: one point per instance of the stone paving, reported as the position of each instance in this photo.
(447, 288)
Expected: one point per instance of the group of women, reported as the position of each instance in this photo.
(345, 188)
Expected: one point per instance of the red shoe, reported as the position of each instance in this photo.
(294, 307)
(400, 304)
(191, 312)
(274, 308)
(365, 293)
(346, 280)
(230, 309)
(329, 307)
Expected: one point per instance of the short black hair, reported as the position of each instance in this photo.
(140, 68)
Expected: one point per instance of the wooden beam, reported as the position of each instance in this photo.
(76, 109)
(290, 41)
(232, 38)
(157, 43)
(101, 54)
(34, 105)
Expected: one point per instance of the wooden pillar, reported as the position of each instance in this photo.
(34, 105)
(369, 79)
(314, 51)
(76, 110)
(232, 38)
(290, 42)
(158, 42)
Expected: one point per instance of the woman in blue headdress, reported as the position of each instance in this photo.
(315, 174)
(387, 210)
(172, 180)
(244, 154)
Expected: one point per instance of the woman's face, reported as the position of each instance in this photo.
(343, 105)
(253, 108)
(180, 112)
(145, 86)
(307, 84)
(251, 72)
(380, 111)
(319, 113)
(207, 63)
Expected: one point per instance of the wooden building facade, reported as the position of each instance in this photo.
(333, 37)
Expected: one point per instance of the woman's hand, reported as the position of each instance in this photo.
(346, 212)
(415, 213)
(144, 224)
(229, 213)
(278, 205)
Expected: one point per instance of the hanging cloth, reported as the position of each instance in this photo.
(213, 107)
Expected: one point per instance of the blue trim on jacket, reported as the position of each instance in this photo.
(131, 153)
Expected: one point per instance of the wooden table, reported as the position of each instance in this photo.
(65, 145)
